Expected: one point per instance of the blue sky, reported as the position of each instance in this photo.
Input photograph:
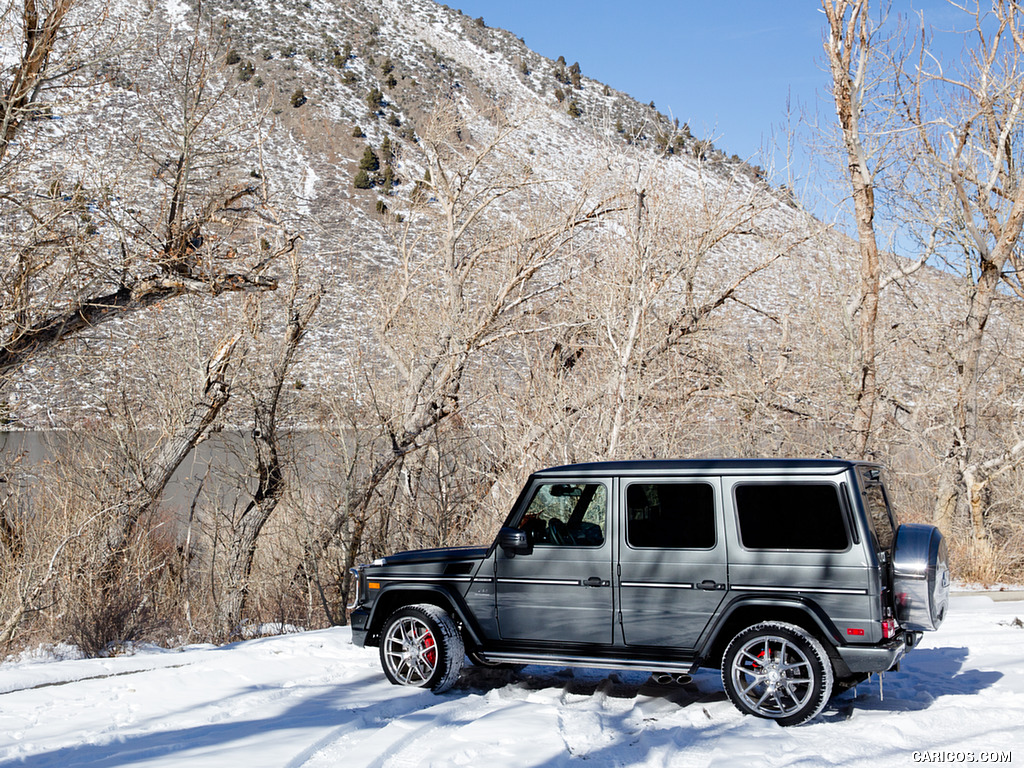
(726, 68)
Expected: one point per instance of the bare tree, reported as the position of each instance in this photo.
(84, 246)
(463, 285)
(270, 485)
(953, 130)
(968, 124)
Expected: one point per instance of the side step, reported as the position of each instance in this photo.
(548, 660)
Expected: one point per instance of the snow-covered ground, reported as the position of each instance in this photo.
(313, 699)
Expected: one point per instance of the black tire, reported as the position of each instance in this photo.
(777, 671)
(420, 646)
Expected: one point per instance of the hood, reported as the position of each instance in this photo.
(443, 554)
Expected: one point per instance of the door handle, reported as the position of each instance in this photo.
(595, 581)
(710, 584)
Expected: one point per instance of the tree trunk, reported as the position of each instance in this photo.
(847, 37)
(150, 486)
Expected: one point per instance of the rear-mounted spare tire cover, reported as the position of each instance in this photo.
(920, 577)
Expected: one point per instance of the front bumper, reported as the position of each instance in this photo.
(358, 620)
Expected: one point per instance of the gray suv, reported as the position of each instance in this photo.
(792, 576)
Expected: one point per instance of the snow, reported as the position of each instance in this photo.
(313, 699)
(177, 13)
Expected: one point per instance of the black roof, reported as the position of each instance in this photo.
(727, 466)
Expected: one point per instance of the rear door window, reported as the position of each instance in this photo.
(670, 515)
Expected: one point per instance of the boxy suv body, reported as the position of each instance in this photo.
(791, 576)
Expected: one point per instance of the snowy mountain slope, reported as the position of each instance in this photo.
(336, 55)
(313, 699)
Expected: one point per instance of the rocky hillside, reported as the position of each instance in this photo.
(328, 82)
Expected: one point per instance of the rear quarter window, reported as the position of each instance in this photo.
(801, 516)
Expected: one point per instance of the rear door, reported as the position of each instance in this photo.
(673, 572)
(561, 591)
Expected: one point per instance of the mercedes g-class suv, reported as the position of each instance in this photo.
(790, 575)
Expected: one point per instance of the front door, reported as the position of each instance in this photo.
(561, 591)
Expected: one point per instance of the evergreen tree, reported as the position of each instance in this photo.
(375, 100)
(362, 180)
(370, 161)
(574, 109)
(574, 76)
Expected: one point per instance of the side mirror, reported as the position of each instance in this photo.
(514, 542)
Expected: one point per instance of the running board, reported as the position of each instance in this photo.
(546, 660)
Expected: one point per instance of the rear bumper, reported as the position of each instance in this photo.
(876, 658)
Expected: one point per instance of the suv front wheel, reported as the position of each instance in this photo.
(778, 671)
(421, 646)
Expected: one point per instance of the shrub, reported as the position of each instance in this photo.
(357, 132)
(362, 180)
(559, 95)
(246, 71)
(480, 22)
(298, 98)
(232, 57)
(387, 67)
(574, 109)
(382, 207)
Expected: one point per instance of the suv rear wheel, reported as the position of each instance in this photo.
(421, 646)
(777, 671)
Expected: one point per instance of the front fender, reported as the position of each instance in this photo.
(393, 597)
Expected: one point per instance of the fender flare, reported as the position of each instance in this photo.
(387, 597)
(765, 604)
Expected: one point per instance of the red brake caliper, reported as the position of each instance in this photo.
(430, 654)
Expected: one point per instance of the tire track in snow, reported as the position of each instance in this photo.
(54, 683)
(374, 742)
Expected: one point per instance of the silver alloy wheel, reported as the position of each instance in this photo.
(773, 676)
(410, 651)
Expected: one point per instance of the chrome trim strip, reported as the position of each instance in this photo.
(802, 589)
(414, 577)
(672, 585)
(548, 582)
